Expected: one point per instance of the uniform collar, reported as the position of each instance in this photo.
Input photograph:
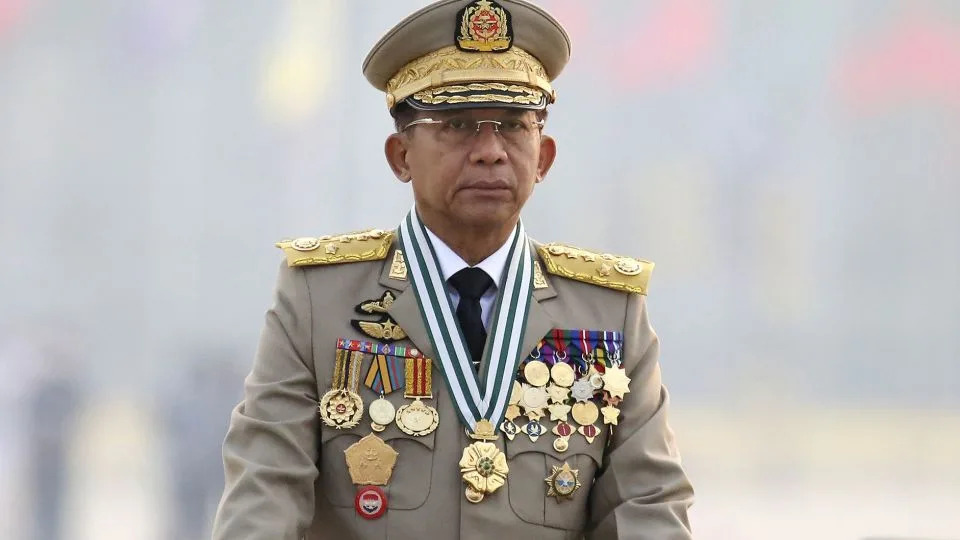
(451, 263)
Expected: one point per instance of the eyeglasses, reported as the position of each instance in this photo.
(457, 130)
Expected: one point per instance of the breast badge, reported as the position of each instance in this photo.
(383, 329)
(563, 482)
(370, 462)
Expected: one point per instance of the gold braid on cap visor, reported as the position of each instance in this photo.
(449, 70)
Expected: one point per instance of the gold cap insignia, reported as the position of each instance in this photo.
(484, 26)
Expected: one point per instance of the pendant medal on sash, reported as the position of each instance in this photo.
(480, 400)
(342, 406)
(416, 418)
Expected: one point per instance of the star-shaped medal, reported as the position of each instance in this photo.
(611, 415)
(559, 412)
(582, 390)
(616, 382)
(557, 393)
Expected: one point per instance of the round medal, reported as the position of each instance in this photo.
(473, 495)
(534, 398)
(536, 373)
(562, 374)
(561, 444)
(370, 502)
(585, 413)
(417, 419)
(382, 412)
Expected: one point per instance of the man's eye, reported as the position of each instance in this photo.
(457, 124)
(513, 125)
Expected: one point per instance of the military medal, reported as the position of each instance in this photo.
(563, 482)
(616, 382)
(370, 463)
(513, 411)
(558, 394)
(534, 401)
(563, 431)
(610, 415)
(483, 465)
(534, 430)
(582, 390)
(586, 414)
(382, 413)
(563, 374)
(559, 412)
(383, 376)
(417, 418)
(342, 406)
(480, 400)
(536, 373)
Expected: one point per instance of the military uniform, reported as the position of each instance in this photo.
(358, 421)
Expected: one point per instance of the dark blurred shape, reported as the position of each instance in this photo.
(53, 403)
(197, 413)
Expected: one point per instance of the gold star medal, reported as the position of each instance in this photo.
(611, 415)
(342, 406)
(417, 418)
(557, 393)
(616, 382)
(563, 482)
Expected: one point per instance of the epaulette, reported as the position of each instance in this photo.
(371, 245)
(621, 273)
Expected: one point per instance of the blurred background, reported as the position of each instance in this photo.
(792, 167)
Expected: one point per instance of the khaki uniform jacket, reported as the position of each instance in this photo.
(286, 475)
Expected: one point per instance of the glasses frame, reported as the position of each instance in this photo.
(537, 125)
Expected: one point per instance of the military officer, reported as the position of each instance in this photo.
(452, 378)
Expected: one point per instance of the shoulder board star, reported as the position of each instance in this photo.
(371, 245)
(603, 269)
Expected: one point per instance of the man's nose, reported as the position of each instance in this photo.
(488, 145)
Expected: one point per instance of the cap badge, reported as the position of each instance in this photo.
(484, 27)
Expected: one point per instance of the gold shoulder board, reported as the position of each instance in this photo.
(360, 246)
(612, 271)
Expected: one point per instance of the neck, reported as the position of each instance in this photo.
(472, 244)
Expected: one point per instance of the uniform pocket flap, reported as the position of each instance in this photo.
(544, 445)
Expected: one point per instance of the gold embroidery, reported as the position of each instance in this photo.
(359, 246)
(620, 273)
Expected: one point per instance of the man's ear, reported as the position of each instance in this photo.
(548, 152)
(395, 149)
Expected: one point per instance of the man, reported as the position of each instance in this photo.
(451, 378)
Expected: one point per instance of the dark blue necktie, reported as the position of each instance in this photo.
(471, 283)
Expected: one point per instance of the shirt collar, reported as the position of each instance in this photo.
(451, 263)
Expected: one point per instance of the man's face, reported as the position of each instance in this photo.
(462, 178)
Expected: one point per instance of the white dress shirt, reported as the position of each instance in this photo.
(451, 263)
